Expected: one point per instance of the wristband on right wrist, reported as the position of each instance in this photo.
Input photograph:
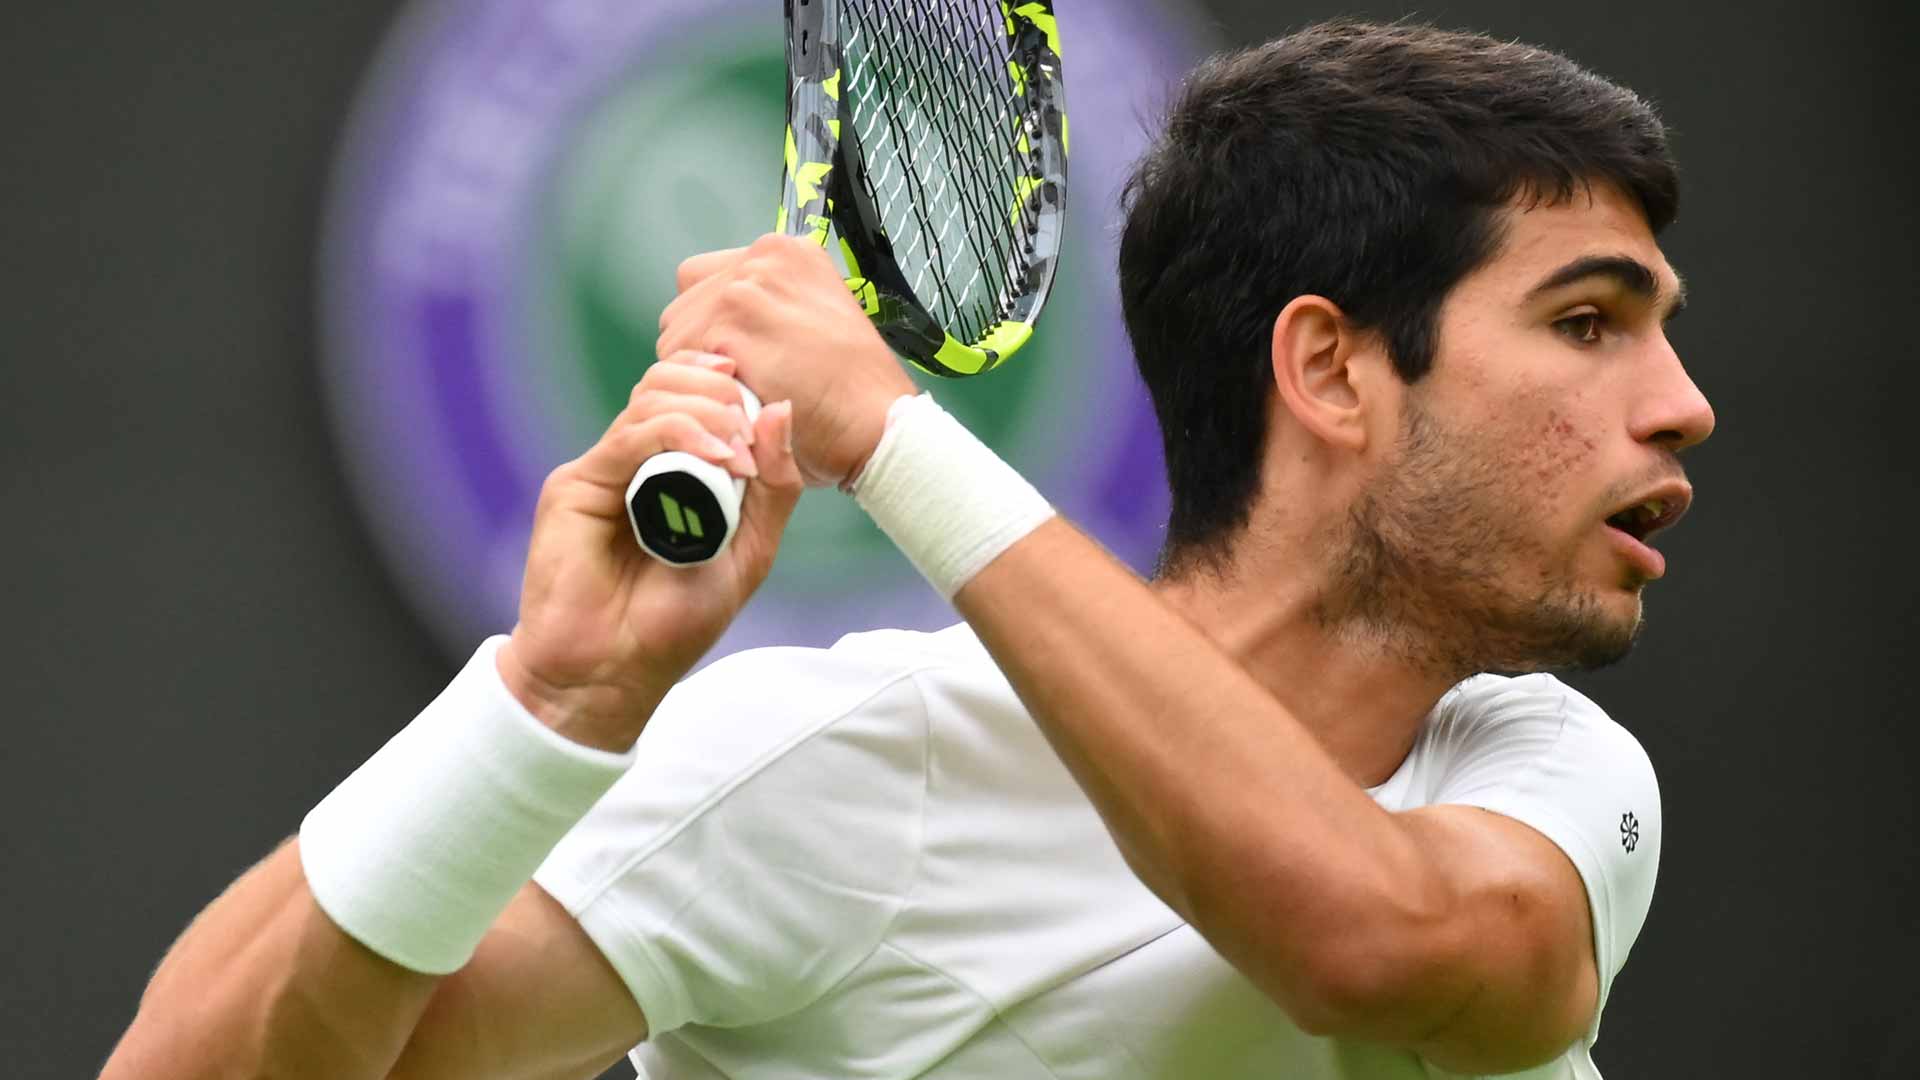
(946, 500)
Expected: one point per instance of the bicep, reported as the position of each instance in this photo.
(538, 1001)
(1523, 932)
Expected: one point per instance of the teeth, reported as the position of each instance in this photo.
(1653, 508)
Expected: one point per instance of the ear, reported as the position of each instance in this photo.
(1314, 370)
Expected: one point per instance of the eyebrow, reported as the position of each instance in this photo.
(1629, 273)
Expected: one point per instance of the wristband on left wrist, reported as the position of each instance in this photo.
(420, 850)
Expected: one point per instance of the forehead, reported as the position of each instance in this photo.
(1540, 238)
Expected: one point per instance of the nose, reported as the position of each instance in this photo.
(1672, 411)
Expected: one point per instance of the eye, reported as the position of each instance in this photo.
(1582, 329)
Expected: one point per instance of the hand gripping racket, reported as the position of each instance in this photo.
(931, 136)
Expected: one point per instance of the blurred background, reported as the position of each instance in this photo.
(300, 302)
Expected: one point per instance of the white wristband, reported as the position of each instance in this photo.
(947, 501)
(420, 850)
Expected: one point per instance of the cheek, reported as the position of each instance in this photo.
(1542, 450)
(1546, 437)
(1562, 445)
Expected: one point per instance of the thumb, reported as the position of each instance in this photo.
(772, 495)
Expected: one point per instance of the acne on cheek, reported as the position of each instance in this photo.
(1560, 447)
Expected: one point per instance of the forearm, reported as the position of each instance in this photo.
(321, 961)
(264, 984)
(1225, 806)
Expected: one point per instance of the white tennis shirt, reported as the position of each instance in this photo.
(867, 862)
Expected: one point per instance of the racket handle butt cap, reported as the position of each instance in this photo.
(684, 509)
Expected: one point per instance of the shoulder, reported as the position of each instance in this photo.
(1535, 749)
(855, 664)
(772, 696)
(766, 834)
(1531, 722)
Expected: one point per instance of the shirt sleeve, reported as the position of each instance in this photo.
(761, 843)
(1536, 750)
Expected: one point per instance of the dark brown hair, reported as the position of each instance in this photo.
(1362, 162)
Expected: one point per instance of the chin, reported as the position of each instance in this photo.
(1606, 639)
(1577, 634)
(1606, 650)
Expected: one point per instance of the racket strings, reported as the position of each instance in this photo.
(987, 65)
(954, 131)
(990, 56)
(888, 180)
(944, 192)
(939, 121)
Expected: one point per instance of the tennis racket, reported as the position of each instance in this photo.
(931, 137)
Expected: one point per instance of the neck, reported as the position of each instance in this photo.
(1362, 698)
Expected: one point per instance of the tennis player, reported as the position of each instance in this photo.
(1397, 296)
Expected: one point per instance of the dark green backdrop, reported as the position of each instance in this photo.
(198, 640)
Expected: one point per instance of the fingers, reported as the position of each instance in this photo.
(684, 321)
(611, 462)
(708, 378)
(699, 268)
(692, 404)
(744, 276)
(680, 361)
(699, 281)
(728, 423)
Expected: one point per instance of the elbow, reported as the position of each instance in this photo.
(1412, 981)
(1343, 992)
(1385, 976)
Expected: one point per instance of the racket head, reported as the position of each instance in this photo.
(945, 167)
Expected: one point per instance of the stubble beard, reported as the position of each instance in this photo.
(1423, 570)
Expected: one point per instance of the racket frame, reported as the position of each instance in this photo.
(823, 185)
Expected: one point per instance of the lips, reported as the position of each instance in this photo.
(1652, 511)
(1633, 523)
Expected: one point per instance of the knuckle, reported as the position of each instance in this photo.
(688, 272)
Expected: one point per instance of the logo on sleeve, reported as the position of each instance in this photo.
(1629, 831)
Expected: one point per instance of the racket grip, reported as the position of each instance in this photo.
(684, 509)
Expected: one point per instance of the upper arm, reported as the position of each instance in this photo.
(538, 1001)
(1518, 945)
(734, 874)
(1547, 892)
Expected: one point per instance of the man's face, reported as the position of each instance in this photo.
(1539, 452)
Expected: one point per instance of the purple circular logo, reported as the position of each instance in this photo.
(521, 179)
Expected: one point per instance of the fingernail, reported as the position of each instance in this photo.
(741, 421)
(744, 458)
(786, 425)
(710, 360)
(716, 447)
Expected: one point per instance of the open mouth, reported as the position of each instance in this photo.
(1648, 516)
